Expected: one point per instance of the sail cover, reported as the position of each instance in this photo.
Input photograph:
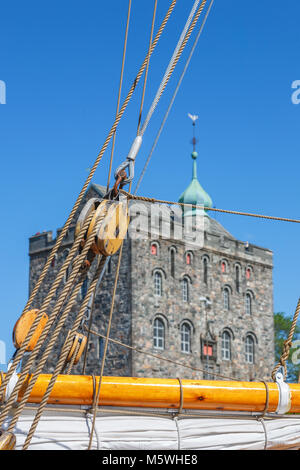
(71, 431)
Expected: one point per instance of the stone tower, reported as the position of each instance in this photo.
(207, 309)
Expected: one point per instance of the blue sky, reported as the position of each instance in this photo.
(61, 63)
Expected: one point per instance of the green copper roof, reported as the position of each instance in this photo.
(194, 193)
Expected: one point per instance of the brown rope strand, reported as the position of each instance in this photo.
(63, 355)
(157, 356)
(287, 345)
(147, 67)
(119, 93)
(46, 302)
(160, 201)
(23, 376)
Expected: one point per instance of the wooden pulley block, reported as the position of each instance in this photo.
(99, 216)
(79, 339)
(23, 326)
(7, 440)
(90, 206)
(113, 230)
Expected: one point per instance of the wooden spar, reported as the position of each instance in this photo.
(162, 393)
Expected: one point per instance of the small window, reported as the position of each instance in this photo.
(154, 249)
(172, 261)
(249, 350)
(248, 302)
(188, 258)
(185, 289)
(223, 267)
(207, 350)
(226, 346)
(205, 270)
(209, 372)
(226, 298)
(237, 278)
(158, 283)
(159, 334)
(185, 331)
(248, 273)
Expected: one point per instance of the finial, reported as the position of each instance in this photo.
(194, 118)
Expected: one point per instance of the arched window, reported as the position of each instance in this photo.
(172, 261)
(185, 289)
(248, 273)
(188, 258)
(249, 349)
(185, 332)
(154, 249)
(158, 283)
(226, 298)
(237, 278)
(159, 334)
(226, 346)
(205, 270)
(248, 304)
(224, 267)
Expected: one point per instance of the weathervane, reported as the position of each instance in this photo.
(194, 118)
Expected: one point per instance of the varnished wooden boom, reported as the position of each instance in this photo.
(163, 393)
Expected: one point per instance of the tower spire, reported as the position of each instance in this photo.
(195, 194)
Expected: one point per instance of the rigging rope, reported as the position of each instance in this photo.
(23, 376)
(176, 55)
(98, 159)
(63, 355)
(197, 206)
(186, 32)
(163, 358)
(147, 67)
(173, 97)
(119, 93)
(81, 194)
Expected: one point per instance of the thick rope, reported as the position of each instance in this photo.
(158, 356)
(173, 98)
(119, 93)
(63, 355)
(47, 300)
(23, 377)
(98, 159)
(147, 68)
(287, 345)
(184, 37)
(106, 345)
(71, 363)
(160, 201)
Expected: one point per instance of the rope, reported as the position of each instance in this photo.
(287, 345)
(119, 93)
(62, 358)
(69, 369)
(147, 68)
(106, 343)
(185, 35)
(173, 98)
(157, 356)
(23, 376)
(160, 201)
(45, 304)
(181, 396)
(98, 159)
